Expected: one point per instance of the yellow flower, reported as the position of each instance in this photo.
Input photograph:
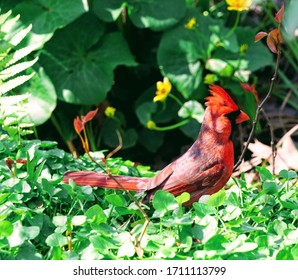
(238, 5)
(191, 23)
(162, 90)
(243, 48)
(110, 112)
(151, 125)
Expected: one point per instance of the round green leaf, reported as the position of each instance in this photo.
(6, 228)
(184, 197)
(203, 209)
(151, 140)
(270, 187)
(80, 62)
(284, 254)
(108, 10)
(59, 221)
(47, 16)
(157, 15)
(115, 200)
(78, 220)
(181, 50)
(145, 111)
(217, 199)
(164, 201)
(42, 99)
(96, 214)
(110, 137)
(56, 239)
(192, 109)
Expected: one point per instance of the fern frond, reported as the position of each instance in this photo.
(13, 83)
(18, 37)
(13, 100)
(9, 24)
(15, 69)
(4, 17)
(12, 58)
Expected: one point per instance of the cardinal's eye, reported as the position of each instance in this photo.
(233, 116)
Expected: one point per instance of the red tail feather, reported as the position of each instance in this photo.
(96, 179)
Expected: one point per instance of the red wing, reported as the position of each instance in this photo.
(178, 180)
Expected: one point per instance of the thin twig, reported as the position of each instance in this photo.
(119, 147)
(259, 108)
(273, 149)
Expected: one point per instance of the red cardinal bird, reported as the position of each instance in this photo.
(205, 167)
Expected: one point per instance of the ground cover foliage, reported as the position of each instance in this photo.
(86, 56)
(42, 218)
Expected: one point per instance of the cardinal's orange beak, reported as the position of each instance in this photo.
(242, 117)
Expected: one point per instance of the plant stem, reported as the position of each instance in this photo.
(232, 30)
(259, 108)
(174, 126)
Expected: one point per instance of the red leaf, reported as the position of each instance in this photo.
(78, 125)
(89, 116)
(249, 88)
(280, 14)
(271, 43)
(9, 163)
(275, 34)
(21, 160)
(274, 40)
(260, 36)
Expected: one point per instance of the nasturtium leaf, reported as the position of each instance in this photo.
(47, 16)
(81, 64)
(191, 129)
(145, 111)
(258, 57)
(110, 137)
(181, 50)
(157, 15)
(192, 109)
(151, 140)
(108, 10)
(42, 99)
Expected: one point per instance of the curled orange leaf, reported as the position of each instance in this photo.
(260, 36)
(280, 14)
